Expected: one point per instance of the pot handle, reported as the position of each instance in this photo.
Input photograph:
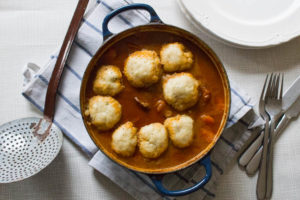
(153, 16)
(157, 180)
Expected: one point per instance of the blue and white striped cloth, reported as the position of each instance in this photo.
(68, 117)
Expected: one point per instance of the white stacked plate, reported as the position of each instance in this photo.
(245, 23)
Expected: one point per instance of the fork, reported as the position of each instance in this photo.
(261, 181)
(274, 109)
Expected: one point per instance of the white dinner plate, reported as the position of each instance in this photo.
(246, 23)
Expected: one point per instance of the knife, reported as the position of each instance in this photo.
(291, 113)
(289, 98)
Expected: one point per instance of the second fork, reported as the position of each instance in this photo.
(274, 110)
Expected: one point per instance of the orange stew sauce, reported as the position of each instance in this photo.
(207, 113)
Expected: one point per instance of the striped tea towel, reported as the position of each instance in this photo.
(68, 117)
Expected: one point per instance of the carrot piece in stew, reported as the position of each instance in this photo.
(207, 119)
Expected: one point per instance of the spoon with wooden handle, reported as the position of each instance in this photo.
(37, 141)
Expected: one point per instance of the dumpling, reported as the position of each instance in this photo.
(142, 68)
(104, 112)
(124, 139)
(108, 81)
(181, 130)
(152, 140)
(175, 57)
(180, 90)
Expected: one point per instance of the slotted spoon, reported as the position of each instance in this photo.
(28, 145)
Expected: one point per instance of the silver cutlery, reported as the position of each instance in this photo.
(273, 107)
(254, 143)
(251, 150)
(291, 113)
(262, 177)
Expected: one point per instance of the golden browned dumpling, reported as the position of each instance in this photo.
(142, 68)
(108, 81)
(175, 57)
(104, 112)
(181, 130)
(180, 90)
(124, 139)
(152, 140)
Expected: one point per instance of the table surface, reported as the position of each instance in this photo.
(32, 29)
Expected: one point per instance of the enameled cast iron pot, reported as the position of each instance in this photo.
(157, 25)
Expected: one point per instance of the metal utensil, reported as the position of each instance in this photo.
(251, 150)
(262, 176)
(28, 145)
(274, 109)
(273, 106)
(290, 96)
(291, 113)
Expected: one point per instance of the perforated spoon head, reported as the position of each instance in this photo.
(30, 144)
(22, 153)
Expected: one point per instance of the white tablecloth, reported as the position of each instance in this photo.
(34, 29)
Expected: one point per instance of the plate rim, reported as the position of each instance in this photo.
(235, 41)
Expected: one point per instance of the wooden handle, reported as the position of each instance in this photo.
(62, 58)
